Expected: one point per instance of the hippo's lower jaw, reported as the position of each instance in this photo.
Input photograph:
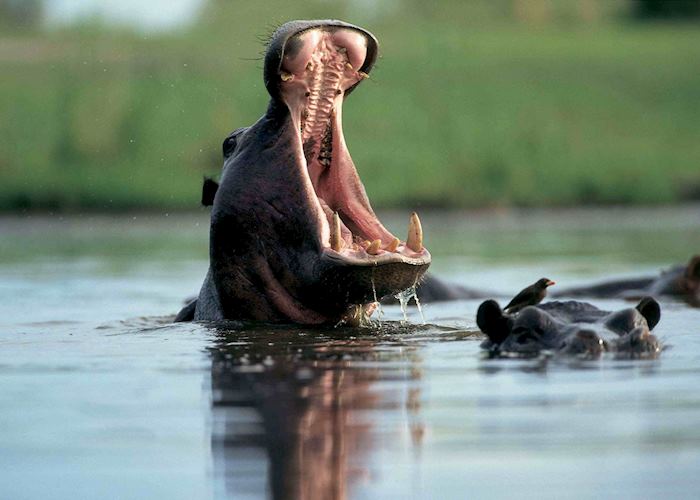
(293, 236)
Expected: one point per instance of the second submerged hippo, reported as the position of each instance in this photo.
(571, 328)
(682, 281)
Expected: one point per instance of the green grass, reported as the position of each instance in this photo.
(456, 113)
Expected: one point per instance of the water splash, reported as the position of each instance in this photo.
(417, 301)
(380, 310)
(404, 298)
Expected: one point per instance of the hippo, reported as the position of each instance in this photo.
(293, 237)
(570, 328)
(428, 290)
(681, 281)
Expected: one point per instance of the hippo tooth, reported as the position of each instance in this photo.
(349, 67)
(373, 248)
(362, 75)
(391, 247)
(415, 234)
(336, 239)
(286, 77)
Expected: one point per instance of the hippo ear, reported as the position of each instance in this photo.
(492, 322)
(651, 311)
(692, 271)
(209, 188)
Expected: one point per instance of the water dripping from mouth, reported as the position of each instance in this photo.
(420, 308)
(380, 310)
(404, 298)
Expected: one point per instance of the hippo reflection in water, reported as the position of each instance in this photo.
(293, 236)
(570, 328)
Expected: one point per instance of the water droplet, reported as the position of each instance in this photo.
(404, 297)
(380, 310)
(417, 301)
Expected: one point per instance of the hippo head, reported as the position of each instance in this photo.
(571, 328)
(680, 281)
(293, 236)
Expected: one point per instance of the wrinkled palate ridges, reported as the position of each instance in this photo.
(316, 78)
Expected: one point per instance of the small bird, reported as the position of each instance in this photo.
(529, 296)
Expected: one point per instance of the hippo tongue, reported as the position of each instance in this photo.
(318, 68)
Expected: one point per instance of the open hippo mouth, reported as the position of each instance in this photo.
(319, 66)
(293, 236)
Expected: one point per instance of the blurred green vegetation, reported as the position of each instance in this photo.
(480, 103)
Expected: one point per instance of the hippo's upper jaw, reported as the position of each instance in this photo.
(293, 235)
(571, 328)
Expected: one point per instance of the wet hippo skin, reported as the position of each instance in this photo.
(570, 328)
(682, 281)
(293, 237)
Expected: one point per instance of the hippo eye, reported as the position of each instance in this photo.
(524, 336)
(231, 142)
(229, 146)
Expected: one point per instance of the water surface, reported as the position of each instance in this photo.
(102, 397)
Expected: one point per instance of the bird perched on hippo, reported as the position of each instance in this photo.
(570, 328)
(529, 296)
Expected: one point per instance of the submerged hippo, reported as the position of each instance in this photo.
(682, 281)
(293, 236)
(570, 328)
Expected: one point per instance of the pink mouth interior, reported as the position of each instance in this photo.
(314, 78)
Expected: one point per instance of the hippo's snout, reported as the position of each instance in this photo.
(638, 343)
(584, 343)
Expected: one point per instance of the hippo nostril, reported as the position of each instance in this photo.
(588, 335)
(352, 43)
(639, 342)
(584, 343)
